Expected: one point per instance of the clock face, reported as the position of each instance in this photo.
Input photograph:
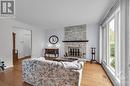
(53, 39)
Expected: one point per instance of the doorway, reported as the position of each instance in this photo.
(22, 44)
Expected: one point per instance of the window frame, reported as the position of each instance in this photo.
(108, 43)
(116, 16)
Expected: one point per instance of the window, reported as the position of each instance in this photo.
(111, 44)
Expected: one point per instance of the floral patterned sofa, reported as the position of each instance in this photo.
(41, 72)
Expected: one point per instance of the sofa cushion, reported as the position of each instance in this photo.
(72, 65)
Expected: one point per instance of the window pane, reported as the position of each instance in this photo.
(112, 43)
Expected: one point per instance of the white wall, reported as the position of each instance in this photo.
(92, 36)
(6, 29)
(23, 42)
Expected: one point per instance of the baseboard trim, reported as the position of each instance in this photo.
(8, 66)
(107, 74)
(26, 57)
(112, 78)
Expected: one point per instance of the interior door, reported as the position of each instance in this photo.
(15, 51)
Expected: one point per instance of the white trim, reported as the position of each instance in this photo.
(100, 44)
(111, 75)
(109, 11)
(124, 43)
(8, 66)
(129, 43)
(117, 26)
(111, 17)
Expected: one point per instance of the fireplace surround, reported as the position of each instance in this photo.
(75, 41)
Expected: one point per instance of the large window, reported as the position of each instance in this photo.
(112, 43)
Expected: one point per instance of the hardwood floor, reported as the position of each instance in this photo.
(12, 77)
(93, 75)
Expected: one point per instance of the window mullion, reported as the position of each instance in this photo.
(116, 46)
(107, 43)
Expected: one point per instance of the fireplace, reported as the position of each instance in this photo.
(75, 52)
(75, 41)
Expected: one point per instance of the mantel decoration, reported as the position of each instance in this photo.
(53, 39)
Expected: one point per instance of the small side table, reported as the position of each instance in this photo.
(51, 51)
(93, 55)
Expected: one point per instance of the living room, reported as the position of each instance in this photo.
(82, 40)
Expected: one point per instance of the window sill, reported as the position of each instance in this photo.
(112, 70)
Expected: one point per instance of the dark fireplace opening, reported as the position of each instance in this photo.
(74, 51)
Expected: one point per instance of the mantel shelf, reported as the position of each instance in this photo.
(76, 41)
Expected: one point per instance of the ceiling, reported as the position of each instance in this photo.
(60, 13)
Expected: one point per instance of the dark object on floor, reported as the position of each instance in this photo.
(93, 55)
(2, 65)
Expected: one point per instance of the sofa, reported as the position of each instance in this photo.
(41, 72)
